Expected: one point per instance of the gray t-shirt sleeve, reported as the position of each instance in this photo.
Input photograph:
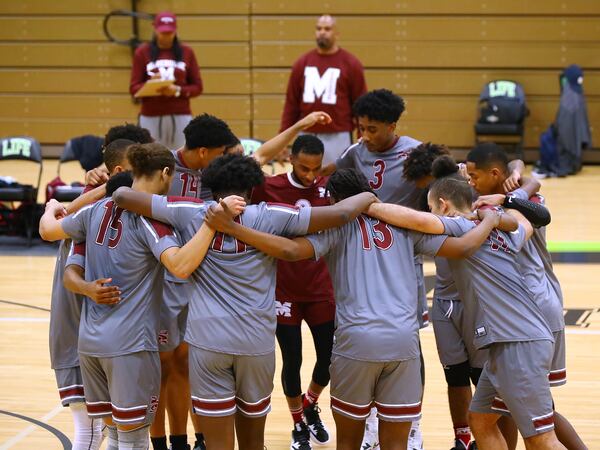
(520, 193)
(75, 225)
(324, 241)
(289, 221)
(177, 211)
(159, 236)
(427, 244)
(346, 160)
(454, 226)
(76, 255)
(517, 239)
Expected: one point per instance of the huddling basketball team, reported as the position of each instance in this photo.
(178, 269)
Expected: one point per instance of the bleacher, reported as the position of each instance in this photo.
(61, 78)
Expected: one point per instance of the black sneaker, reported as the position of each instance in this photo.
(300, 437)
(200, 445)
(459, 445)
(318, 432)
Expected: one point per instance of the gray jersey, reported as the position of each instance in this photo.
(385, 170)
(187, 182)
(126, 248)
(232, 309)
(539, 242)
(65, 313)
(445, 288)
(491, 279)
(372, 269)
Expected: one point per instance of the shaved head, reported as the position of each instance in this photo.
(326, 18)
(326, 34)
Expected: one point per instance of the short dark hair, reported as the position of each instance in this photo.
(419, 161)
(118, 180)
(146, 159)
(449, 184)
(309, 144)
(488, 154)
(232, 174)
(114, 153)
(381, 105)
(209, 132)
(232, 144)
(128, 131)
(344, 183)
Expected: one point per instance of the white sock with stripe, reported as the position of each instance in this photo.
(88, 432)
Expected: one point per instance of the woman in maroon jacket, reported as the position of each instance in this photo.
(167, 114)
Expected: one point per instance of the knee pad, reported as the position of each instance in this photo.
(457, 375)
(475, 374)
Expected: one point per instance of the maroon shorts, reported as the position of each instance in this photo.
(313, 313)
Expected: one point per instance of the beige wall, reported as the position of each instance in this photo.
(60, 78)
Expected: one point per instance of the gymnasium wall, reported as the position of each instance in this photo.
(60, 77)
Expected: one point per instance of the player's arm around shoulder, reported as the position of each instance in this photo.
(182, 261)
(275, 246)
(401, 216)
(50, 227)
(344, 211)
(467, 244)
(134, 201)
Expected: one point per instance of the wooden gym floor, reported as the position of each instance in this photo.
(31, 416)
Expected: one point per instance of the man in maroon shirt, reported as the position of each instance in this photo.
(166, 58)
(327, 79)
(303, 292)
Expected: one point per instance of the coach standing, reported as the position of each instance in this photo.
(328, 79)
(165, 58)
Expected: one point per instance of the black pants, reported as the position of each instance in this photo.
(290, 343)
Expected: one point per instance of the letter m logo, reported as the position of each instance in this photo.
(323, 87)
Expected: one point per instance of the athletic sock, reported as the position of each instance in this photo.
(88, 432)
(178, 442)
(297, 414)
(462, 433)
(113, 438)
(134, 439)
(159, 443)
(310, 398)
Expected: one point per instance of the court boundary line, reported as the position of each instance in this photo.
(25, 305)
(64, 440)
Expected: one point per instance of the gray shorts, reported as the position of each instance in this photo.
(393, 387)
(515, 382)
(454, 335)
(222, 384)
(70, 385)
(124, 387)
(422, 309)
(166, 130)
(173, 315)
(558, 370)
(334, 143)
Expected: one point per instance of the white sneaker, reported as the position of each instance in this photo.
(371, 437)
(415, 439)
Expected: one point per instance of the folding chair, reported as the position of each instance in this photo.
(17, 155)
(67, 193)
(501, 115)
